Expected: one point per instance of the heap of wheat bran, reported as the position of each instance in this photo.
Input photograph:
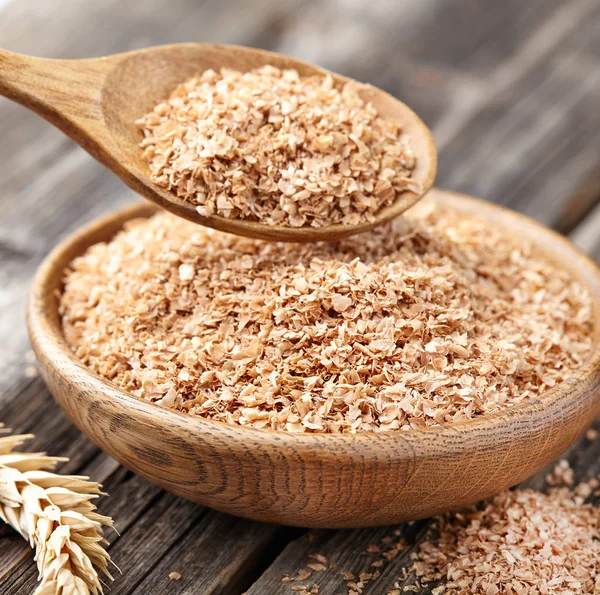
(434, 318)
(272, 146)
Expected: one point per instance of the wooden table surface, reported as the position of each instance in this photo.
(511, 91)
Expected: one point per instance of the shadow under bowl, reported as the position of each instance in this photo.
(318, 480)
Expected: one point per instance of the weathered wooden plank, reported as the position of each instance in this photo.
(218, 555)
(15, 558)
(586, 200)
(161, 524)
(480, 35)
(554, 24)
(348, 553)
(530, 148)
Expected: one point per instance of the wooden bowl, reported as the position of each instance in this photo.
(318, 480)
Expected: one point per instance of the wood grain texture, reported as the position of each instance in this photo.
(318, 480)
(97, 101)
(508, 84)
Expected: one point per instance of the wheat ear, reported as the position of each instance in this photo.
(56, 514)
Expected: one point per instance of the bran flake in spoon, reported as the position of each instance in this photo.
(274, 147)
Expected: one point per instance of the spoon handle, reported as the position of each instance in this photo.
(67, 93)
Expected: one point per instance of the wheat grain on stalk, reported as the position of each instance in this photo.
(56, 515)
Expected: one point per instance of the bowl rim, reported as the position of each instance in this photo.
(41, 325)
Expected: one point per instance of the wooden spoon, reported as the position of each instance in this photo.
(97, 101)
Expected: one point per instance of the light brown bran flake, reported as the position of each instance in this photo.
(435, 318)
(271, 146)
(561, 475)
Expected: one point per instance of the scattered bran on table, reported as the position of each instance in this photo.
(435, 318)
(272, 146)
(521, 542)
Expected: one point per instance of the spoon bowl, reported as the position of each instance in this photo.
(319, 480)
(97, 101)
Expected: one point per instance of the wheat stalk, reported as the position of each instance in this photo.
(56, 514)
